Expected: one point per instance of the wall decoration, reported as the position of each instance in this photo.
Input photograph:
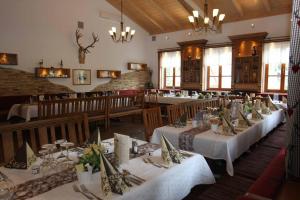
(46, 72)
(8, 59)
(108, 74)
(84, 50)
(81, 77)
(137, 66)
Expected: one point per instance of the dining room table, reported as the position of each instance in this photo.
(160, 183)
(220, 146)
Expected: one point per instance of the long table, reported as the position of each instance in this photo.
(171, 100)
(216, 146)
(161, 184)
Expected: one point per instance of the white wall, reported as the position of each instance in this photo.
(276, 26)
(36, 29)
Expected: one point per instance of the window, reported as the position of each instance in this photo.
(276, 62)
(170, 70)
(218, 66)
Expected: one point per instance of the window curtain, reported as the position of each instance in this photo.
(293, 158)
(169, 60)
(275, 54)
(214, 57)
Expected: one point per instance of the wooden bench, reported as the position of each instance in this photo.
(12, 136)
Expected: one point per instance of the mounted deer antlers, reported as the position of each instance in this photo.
(84, 50)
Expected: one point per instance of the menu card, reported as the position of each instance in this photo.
(121, 145)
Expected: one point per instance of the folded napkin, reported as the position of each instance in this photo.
(243, 120)
(284, 100)
(168, 152)
(256, 114)
(23, 159)
(111, 179)
(265, 109)
(181, 121)
(121, 145)
(271, 105)
(257, 104)
(247, 97)
(227, 126)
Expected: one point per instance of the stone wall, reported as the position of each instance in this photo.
(15, 82)
(130, 80)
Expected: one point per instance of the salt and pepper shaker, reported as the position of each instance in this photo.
(134, 147)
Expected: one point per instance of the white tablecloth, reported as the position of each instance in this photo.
(162, 184)
(25, 111)
(172, 100)
(217, 146)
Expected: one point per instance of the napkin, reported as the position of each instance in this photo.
(257, 104)
(121, 145)
(271, 105)
(256, 114)
(181, 121)
(247, 97)
(243, 121)
(98, 137)
(23, 159)
(111, 179)
(265, 109)
(168, 152)
(227, 126)
(284, 100)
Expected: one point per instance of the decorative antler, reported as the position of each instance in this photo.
(85, 50)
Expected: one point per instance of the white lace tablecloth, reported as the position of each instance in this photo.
(25, 111)
(161, 184)
(217, 146)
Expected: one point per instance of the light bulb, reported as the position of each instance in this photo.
(206, 20)
(123, 34)
(111, 32)
(191, 19)
(132, 32)
(196, 13)
(114, 29)
(215, 12)
(221, 17)
(127, 29)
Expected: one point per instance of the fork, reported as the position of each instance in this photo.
(76, 189)
(84, 189)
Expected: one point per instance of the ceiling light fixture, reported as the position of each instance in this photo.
(204, 25)
(124, 35)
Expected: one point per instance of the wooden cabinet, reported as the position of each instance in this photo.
(51, 72)
(192, 64)
(247, 61)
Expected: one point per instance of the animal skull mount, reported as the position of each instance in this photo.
(82, 51)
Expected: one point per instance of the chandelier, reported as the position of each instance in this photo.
(205, 25)
(123, 36)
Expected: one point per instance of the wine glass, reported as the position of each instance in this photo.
(58, 144)
(67, 145)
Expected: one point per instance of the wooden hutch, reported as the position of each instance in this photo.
(192, 64)
(247, 61)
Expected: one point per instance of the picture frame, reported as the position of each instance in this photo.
(81, 77)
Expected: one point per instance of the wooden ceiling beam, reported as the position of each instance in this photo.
(146, 15)
(238, 7)
(186, 6)
(164, 13)
(267, 5)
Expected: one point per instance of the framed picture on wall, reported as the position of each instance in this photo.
(81, 77)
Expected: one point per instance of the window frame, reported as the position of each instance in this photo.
(282, 79)
(165, 74)
(220, 76)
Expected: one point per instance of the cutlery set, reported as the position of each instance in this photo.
(85, 192)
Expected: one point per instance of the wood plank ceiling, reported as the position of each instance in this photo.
(161, 16)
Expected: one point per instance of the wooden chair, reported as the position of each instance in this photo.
(152, 99)
(124, 105)
(174, 112)
(12, 136)
(152, 120)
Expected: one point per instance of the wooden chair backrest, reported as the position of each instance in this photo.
(123, 103)
(65, 107)
(174, 112)
(12, 136)
(152, 120)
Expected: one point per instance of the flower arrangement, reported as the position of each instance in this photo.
(91, 156)
(200, 96)
(247, 107)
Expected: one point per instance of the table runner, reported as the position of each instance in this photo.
(186, 138)
(44, 184)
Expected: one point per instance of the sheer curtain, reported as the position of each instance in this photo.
(213, 58)
(170, 69)
(275, 54)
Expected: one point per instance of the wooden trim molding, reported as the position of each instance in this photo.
(260, 35)
(169, 49)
